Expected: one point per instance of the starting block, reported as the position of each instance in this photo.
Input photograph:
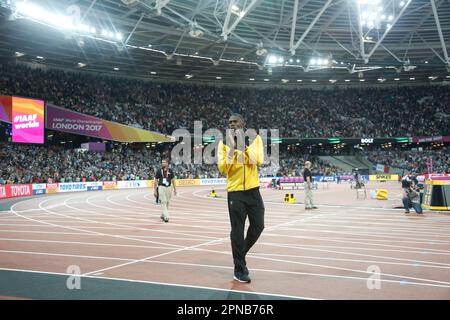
(213, 194)
(289, 198)
(382, 194)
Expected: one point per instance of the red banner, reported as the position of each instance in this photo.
(431, 139)
(15, 190)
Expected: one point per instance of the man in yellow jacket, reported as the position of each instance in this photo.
(240, 165)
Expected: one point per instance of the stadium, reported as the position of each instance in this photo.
(156, 149)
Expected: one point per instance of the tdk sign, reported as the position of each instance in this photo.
(367, 140)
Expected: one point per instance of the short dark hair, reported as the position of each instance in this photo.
(238, 116)
(406, 184)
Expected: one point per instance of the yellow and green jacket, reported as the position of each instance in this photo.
(242, 169)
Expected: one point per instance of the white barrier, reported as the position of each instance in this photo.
(213, 182)
(39, 188)
(72, 186)
(132, 184)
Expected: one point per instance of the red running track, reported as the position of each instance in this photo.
(339, 251)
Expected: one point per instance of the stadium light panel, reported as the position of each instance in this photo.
(272, 59)
(83, 27)
(30, 10)
(235, 9)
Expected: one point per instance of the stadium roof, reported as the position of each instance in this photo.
(239, 41)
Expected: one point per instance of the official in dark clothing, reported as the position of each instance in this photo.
(164, 185)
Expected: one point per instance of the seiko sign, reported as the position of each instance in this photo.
(367, 140)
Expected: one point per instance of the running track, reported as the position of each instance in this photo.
(329, 253)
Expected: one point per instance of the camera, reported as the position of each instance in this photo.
(406, 184)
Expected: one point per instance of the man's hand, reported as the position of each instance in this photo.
(175, 192)
(230, 138)
(155, 193)
(240, 139)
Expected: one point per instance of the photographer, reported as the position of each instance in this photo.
(411, 197)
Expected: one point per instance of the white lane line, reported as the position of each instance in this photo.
(253, 255)
(362, 240)
(93, 235)
(183, 249)
(84, 243)
(359, 234)
(395, 231)
(147, 221)
(279, 245)
(408, 261)
(166, 284)
(318, 248)
(86, 231)
(320, 275)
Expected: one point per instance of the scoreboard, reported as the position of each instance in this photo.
(26, 117)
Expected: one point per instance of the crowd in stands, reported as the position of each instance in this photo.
(36, 164)
(413, 161)
(402, 111)
(42, 164)
(162, 107)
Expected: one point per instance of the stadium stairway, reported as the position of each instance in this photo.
(348, 163)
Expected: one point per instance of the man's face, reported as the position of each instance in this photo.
(164, 164)
(236, 123)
